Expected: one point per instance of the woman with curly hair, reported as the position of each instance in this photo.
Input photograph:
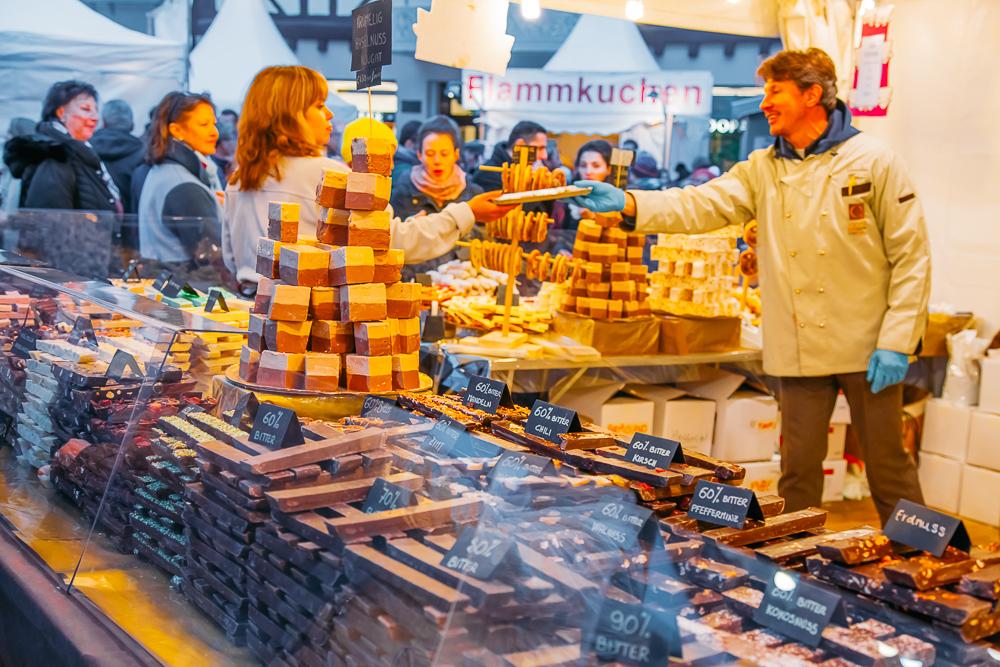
(283, 134)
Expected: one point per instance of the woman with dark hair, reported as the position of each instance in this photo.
(593, 163)
(181, 192)
(57, 166)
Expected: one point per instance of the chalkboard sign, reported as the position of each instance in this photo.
(634, 635)
(531, 151)
(380, 407)
(487, 395)
(423, 279)
(444, 437)
(724, 505)
(922, 528)
(83, 330)
(191, 409)
(796, 608)
(515, 298)
(521, 464)
(247, 402)
(131, 271)
(215, 297)
(371, 42)
(653, 452)
(479, 552)
(550, 421)
(162, 280)
(276, 427)
(120, 363)
(384, 496)
(433, 330)
(171, 289)
(25, 342)
(6, 422)
(621, 522)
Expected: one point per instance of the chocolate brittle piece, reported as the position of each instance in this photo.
(856, 550)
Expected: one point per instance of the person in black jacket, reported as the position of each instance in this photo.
(435, 182)
(524, 133)
(57, 166)
(120, 151)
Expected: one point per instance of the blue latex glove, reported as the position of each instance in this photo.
(886, 368)
(604, 198)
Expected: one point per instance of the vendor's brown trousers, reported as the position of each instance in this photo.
(806, 407)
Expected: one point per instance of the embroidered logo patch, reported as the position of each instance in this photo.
(856, 211)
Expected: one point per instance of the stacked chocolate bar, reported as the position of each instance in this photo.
(332, 313)
(612, 280)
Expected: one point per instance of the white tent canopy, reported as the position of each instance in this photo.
(241, 41)
(70, 41)
(602, 44)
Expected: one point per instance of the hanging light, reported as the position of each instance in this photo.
(530, 9)
(634, 10)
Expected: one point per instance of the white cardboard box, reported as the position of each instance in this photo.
(841, 410)
(762, 476)
(980, 500)
(834, 475)
(836, 441)
(946, 429)
(984, 441)
(689, 421)
(941, 481)
(623, 415)
(746, 421)
(989, 383)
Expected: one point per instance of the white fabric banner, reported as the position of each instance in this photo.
(588, 102)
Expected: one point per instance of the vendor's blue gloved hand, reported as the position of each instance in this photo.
(886, 368)
(604, 198)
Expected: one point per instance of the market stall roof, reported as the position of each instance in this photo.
(241, 41)
(758, 18)
(603, 44)
(69, 40)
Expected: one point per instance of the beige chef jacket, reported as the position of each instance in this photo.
(842, 249)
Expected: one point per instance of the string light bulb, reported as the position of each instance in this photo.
(634, 10)
(530, 9)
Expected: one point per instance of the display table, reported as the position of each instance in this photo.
(507, 368)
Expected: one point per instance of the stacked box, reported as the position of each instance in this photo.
(611, 283)
(697, 275)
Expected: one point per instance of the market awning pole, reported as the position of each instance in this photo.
(668, 137)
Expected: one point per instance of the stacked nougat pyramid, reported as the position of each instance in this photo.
(612, 282)
(331, 312)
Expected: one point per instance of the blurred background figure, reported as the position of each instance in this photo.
(645, 173)
(703, 172)
(58, 166)
(406, 153)
(10, 187)
(471, 155)
(681, 172)
(118, 148)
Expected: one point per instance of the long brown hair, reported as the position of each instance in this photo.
(273, 125)
(171, 109)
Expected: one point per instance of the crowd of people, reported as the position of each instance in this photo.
(199, 175)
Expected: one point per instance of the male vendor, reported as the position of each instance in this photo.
(844, 271)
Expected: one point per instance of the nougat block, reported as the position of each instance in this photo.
(363, 303)
(583, 305)
(616, 308)
(332, 189)
(350, 265)
(372, 155)
(598, 290)
(593, 272)
(631, 308)
(262, 299)
(644, 309)
(405, 335)
(403, 300)
(332, 337)
(406, 371)
(581, 250)
(637, 240)
(283, 221)
(322, 372)
(280, 369)
(369, 374)
(324, 303)
(331, 228)
(367, 192)
(388, 266)
(599, 309)
(290, 303)
(249, 363)
(372, 339)
(305, 265)
(623, 289)
(255, 341)
(269, 257)
(588, 230)
(605, 253)
(620, 271)
(634, 254)
(287, 336)
(578, 287)
(614, 235)
(369, 228)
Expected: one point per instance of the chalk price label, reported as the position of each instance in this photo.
(922, 528)
(487, 395)
(479, 552)
(796, 608)
(276, 427)
(549, 421)
(724, 505)
(384, 496)
(653, 452)
(633, 635)
(521, 464)
(622, 523)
